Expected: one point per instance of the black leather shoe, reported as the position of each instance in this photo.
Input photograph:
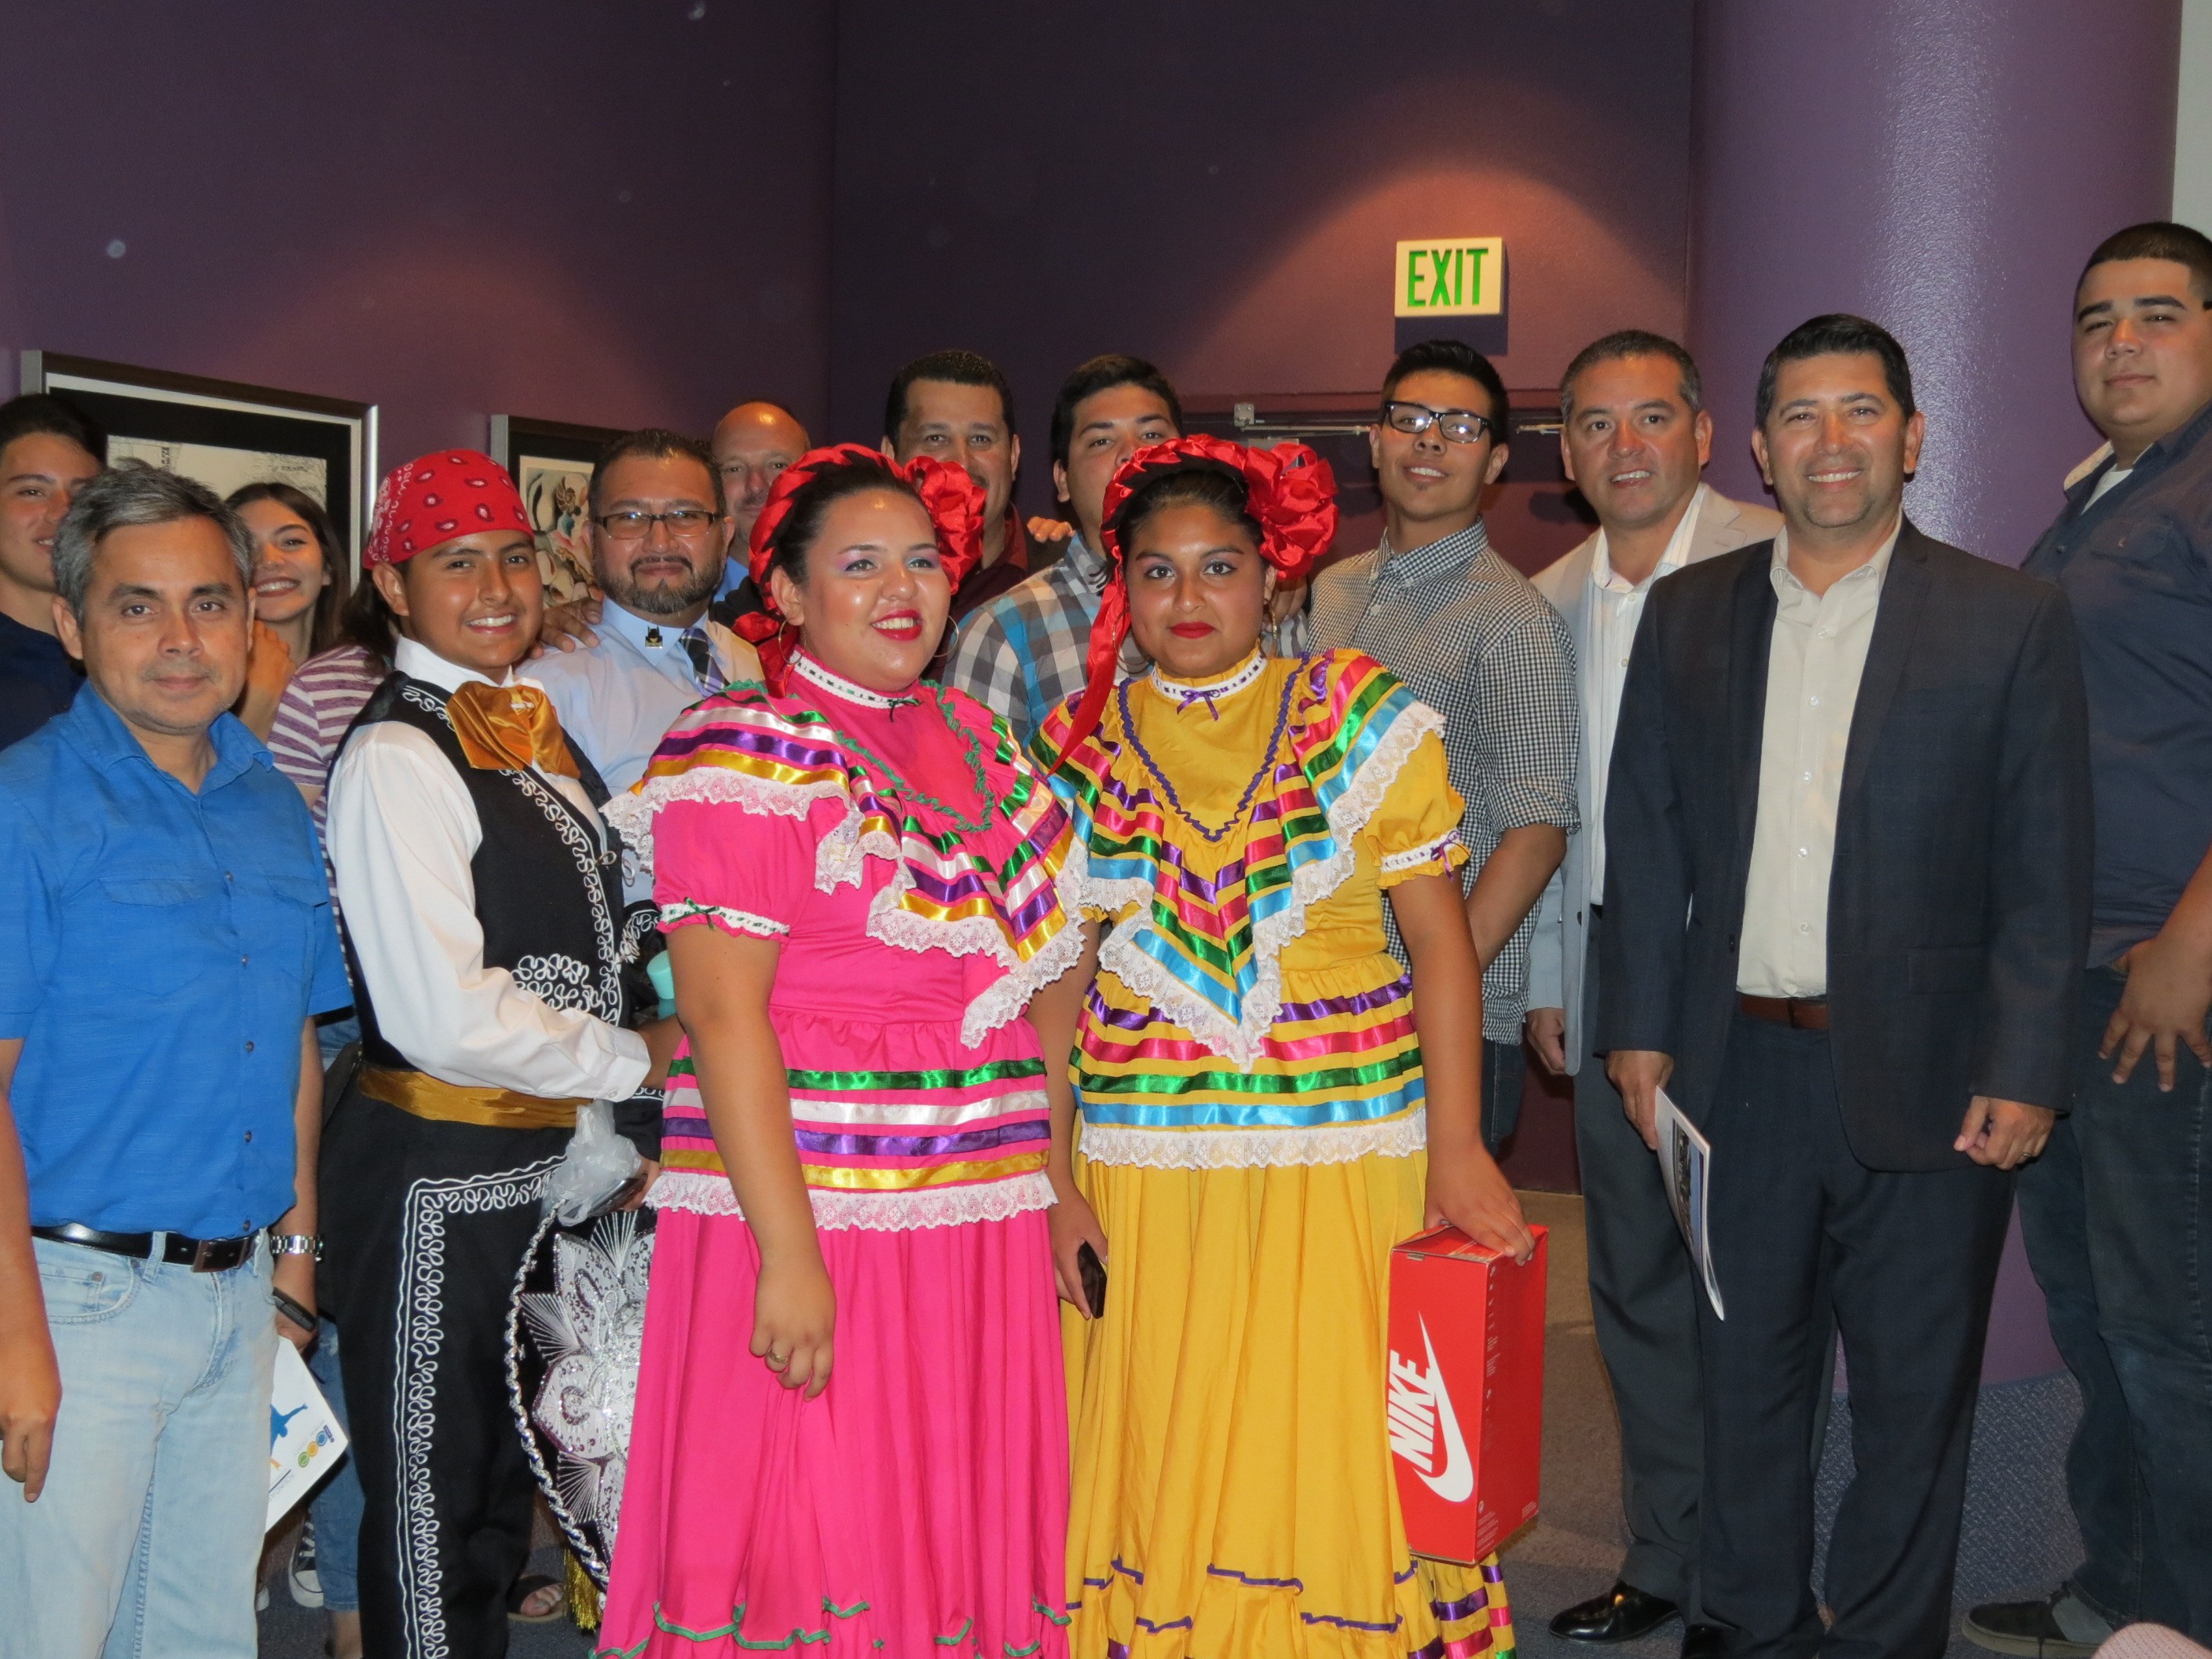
(1621, 1614)
(1702, 1641)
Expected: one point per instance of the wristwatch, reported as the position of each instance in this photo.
(297, 1244)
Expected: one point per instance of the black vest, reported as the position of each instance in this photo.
(548, 895)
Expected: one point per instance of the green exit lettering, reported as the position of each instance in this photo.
(1449, 276)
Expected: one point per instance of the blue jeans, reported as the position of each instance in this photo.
(148, 1536)
(2114, 1213)
(335, 1506)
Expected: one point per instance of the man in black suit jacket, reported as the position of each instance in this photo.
(1852, 762)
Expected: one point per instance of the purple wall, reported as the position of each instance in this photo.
(1218, 188)
(554, 209)
(1943, 167)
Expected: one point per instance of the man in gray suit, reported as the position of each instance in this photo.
(1853, 764)
(1637, 438)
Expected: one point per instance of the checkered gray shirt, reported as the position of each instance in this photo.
(1022, 654)
(1475, 641)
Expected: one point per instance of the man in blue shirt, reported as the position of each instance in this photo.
(46, 449)
(165, 939)
(657, 535)
(2115, 1212)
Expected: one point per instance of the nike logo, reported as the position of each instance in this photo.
(1419, 1406)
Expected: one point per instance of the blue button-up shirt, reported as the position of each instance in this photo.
(2137, 563)
(160, 951)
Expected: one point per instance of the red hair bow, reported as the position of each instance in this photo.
(1289, 490)
(953, 501)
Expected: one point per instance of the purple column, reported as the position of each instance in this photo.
(1943, 167)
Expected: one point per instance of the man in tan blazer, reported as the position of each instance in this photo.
(1637, 439)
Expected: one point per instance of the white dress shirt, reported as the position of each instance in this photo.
(402, 830)
(1617, 608)
(1813, 665)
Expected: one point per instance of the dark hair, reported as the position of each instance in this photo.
(811, 502)
(655, 443)
(35, 412)
(128, 495)
(1839, 334)
(2158, 239)
(1622, 344)
(1454, 357)
(956, 367)
(1103, 374)
(323, 633)
(1203, 485)
(367, 621)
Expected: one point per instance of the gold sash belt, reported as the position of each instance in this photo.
(427, 1097)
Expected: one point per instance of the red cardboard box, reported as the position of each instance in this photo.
(1466, 1392)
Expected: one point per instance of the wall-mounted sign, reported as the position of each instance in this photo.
(1451, 276)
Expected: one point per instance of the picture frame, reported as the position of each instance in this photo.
(552, 464)
(224, 434)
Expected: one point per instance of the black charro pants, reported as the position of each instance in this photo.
(426, 1226)
(1908, 1263)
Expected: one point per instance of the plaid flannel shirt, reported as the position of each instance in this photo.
(1476, 643)
(1022, 654)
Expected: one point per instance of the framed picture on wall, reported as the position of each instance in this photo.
(223, 433)
(551, 462)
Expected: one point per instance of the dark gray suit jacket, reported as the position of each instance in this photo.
(1959, 902)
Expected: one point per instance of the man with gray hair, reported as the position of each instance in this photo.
(164, 943)
(1636, 439)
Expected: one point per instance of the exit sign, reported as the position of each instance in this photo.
(1451, 276)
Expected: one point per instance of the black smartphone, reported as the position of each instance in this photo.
(292, 1311)
(1094, 1280)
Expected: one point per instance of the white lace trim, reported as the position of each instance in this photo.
(702, 1192)
(838, 686)
(1250, 1149)
(1003, 998)
(1242, 1041)
(744, 921)
(1181, 692)
(1414, 857)
(632, 813)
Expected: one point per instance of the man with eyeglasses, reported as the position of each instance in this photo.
(657, 532)
(1437, 606)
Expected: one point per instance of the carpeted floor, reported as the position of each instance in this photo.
(2019, 1532)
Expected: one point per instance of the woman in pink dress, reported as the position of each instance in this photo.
(850, 1435)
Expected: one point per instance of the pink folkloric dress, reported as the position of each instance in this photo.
(918, 1505)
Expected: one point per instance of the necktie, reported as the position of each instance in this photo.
(509, 728)
(696, 646)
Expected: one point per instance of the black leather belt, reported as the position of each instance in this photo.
(202, 1255)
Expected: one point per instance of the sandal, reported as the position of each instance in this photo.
(532, 1584)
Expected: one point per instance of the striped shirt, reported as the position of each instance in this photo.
(317, 706)
(1475, 641)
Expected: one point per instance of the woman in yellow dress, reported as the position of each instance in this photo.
(1267, 1102)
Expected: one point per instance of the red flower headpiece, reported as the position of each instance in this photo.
(953, 501)
(1289, 490)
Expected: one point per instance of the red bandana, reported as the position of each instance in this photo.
(1289, 489)
(953, 501)
(450, 494)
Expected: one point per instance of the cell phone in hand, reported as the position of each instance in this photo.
(1093, 1274)
(292, 1311)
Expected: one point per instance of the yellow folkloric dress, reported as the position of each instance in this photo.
(1251, 1138)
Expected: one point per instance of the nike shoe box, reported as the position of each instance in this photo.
(1465, 1403)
